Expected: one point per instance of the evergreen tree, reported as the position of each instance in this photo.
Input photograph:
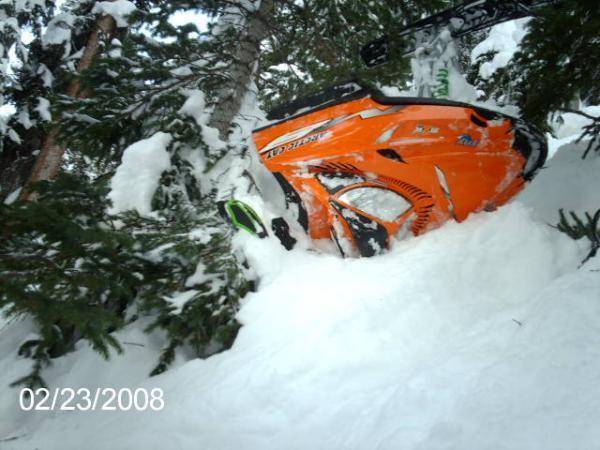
(559, 55)
(25, 85)
(82, 272)
(314, 43)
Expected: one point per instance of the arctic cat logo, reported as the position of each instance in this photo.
(293, 145)
(467, 140)
(294, 135)
(424, 129)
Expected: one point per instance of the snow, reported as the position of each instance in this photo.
(13, 196)
(118, 9)
(504, 39)
(480, 335)
(199, 276)
(566, 182)
(43, 109)
(567, 127)
(195, 107)
(138, 176)
(179, 300)
(58, 31)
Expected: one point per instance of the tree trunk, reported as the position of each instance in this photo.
(49, 160)
(242, 70)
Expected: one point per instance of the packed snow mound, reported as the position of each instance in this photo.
(566, 182)
(568, 127)
(472, 336)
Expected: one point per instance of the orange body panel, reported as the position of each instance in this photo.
(445, 161)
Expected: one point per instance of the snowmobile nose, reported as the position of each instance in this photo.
(532, 145)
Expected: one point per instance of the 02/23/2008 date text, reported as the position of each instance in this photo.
(96, 399)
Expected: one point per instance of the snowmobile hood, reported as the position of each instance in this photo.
(363, 167)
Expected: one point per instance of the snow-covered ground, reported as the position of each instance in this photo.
(480, 335)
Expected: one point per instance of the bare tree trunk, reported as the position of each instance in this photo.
(242, 70)
(49, 160)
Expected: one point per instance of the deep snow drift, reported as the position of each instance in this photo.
(479, 335)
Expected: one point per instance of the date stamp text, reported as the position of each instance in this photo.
(97, 399)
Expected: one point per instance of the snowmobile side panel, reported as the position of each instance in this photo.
(367, 167)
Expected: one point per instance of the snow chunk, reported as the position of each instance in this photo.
(195, 106)
(504, 39)
(14, 136)
(180, 299)
(199, 277)
(13, 196)
(59, 30)
(118, 9)
(136, 179)
(43, 109)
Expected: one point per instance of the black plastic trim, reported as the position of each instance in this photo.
(363, 231)
(285, 112)
(332, 95)
(392, 154)
(477, 121)
(291, 196)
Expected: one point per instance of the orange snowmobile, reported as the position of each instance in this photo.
(362, 167)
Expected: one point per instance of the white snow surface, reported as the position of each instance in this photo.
(43, 109)
(578, 189)
(480, 335)
(136, 179)
(118, 9)
(59, 30)
(504, 39)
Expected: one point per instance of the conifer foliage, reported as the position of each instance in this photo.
(577, 228)
(557, 66)
(83, 269)
(315, 43)
(47, 43)
(83, 266)
(81, 273)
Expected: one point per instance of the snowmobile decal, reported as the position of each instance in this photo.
(363, 187)
(292, 136)
(295, 139)
(467, 140)
(422, 129)
(293, 145)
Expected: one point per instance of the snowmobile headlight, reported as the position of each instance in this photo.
(383, 204)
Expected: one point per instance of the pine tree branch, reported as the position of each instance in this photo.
(591, 130)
